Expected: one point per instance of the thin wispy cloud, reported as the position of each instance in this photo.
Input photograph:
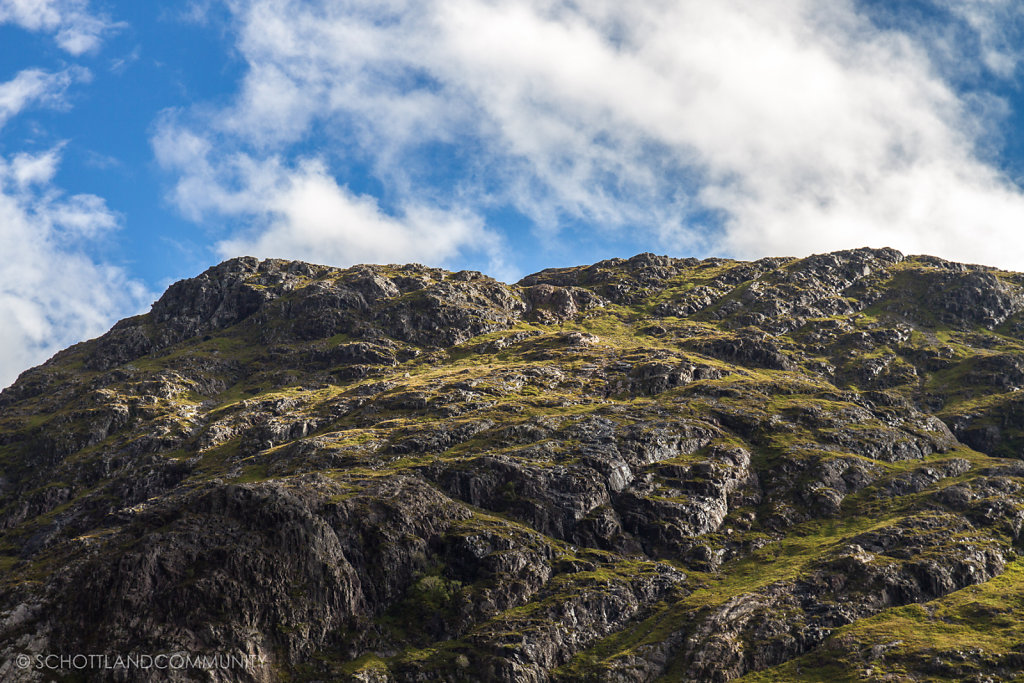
(75, 27)
(799, 126)
(998, 26)
(36, 87)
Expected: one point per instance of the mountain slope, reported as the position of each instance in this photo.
(642, 469)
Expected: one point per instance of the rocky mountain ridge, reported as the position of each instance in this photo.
(643, 469)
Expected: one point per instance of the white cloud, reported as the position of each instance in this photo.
(802, 124)
(313, 218)
(300, 211)
(75, 28)
(52, 293)
(33, 86)
(196, 12)
(998, 27)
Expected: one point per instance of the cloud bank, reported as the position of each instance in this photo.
(776, 127)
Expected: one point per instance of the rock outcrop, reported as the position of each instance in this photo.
(646, 468)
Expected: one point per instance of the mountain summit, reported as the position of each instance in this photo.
(643, 469)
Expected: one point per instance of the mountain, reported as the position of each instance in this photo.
(643, 469)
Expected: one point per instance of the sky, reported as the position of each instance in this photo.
(142, 142)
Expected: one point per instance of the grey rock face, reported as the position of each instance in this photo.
(644, 468)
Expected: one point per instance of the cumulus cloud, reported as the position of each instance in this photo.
(313, 218)
(300, 211)
(52, 293)
(74, 27)
(782, 126)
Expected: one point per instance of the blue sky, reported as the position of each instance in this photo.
(141, 142)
